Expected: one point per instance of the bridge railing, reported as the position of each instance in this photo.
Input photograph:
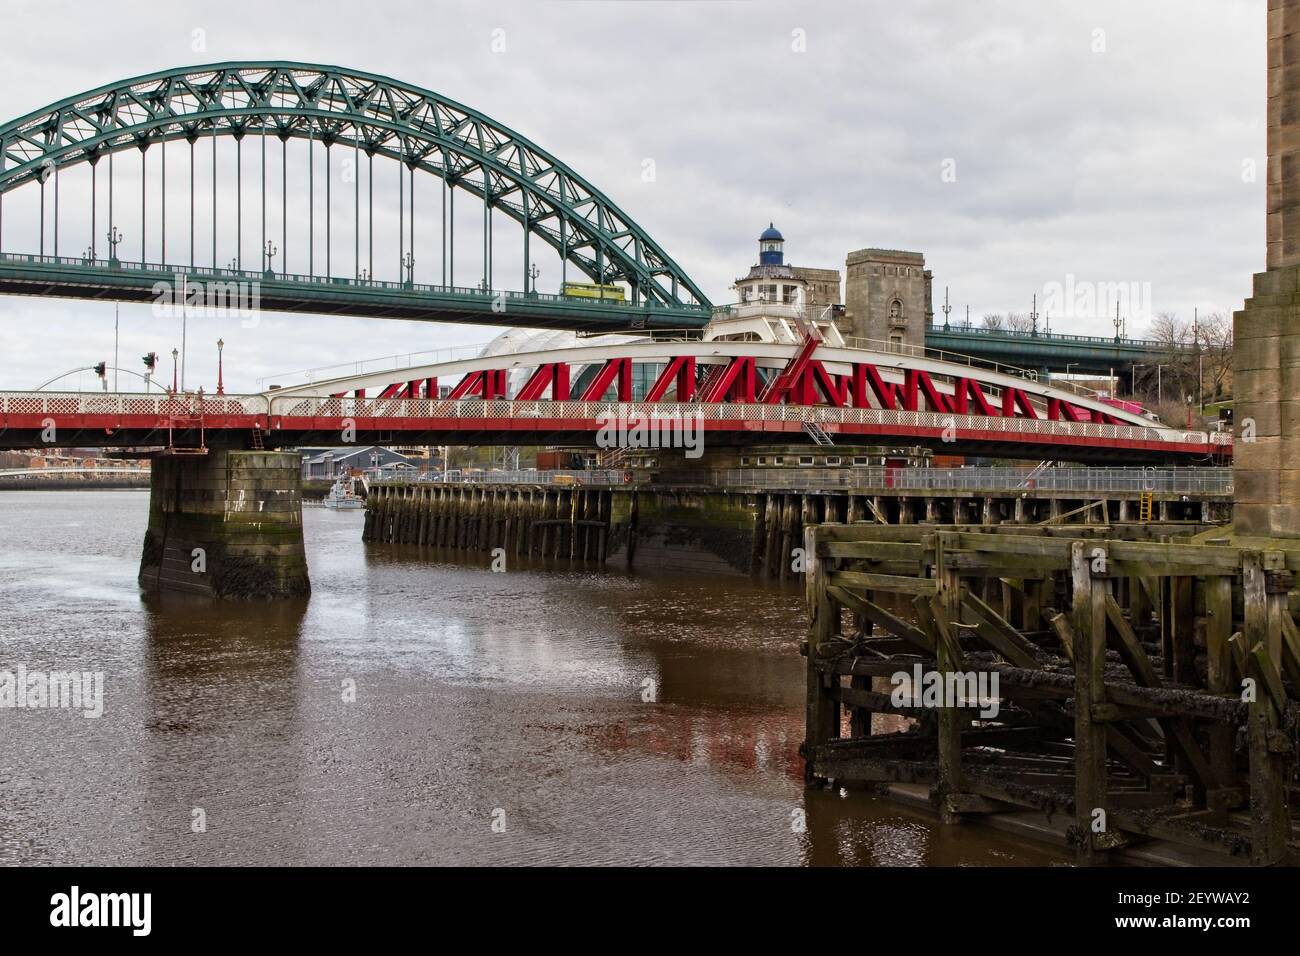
(625, 415)
(89, 473)
(130, 404)
(619, 416)
(1088, 481)
(254, 275)
(1082, 481)
(523, 476)
(970, 361)
(1100, 341)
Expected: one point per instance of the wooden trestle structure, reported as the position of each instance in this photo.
(1148, 688)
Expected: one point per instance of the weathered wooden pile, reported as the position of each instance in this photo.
(1148, 688)
(547, 522)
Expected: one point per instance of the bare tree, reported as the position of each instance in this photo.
(1019, 322)
(1170, 372)
(992, 321)
(1214, 338)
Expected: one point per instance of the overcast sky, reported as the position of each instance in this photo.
(1013, 142)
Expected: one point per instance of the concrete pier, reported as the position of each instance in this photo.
(226, 524)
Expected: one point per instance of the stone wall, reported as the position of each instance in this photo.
(1266, 353)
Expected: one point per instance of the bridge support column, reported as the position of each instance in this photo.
(1266, 353)
(226, 524)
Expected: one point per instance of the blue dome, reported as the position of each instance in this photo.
(771, 232)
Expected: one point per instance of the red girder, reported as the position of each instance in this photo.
(815, 381)
(967, 390)
(917, 384)
(618, 368)
(803, 381)
(489, 384)
(1015, 398)
(553, 376)
(868, 377)
(1058, 410)
(793, 373)
(736, 383)
(680, 372)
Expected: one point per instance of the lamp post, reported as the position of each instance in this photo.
(114, 237)
(269, 252)
(533, 273)
(175, 354)
(1200, 360)
(221, 385)
(1159, 388)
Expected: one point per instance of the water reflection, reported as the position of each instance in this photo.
(606, 717)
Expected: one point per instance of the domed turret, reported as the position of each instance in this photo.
(771, 247)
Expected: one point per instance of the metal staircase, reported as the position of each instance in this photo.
(814, 431)
(612, 458)
(187, 418)
(1038, 469)
(709, 382)
(794, 369)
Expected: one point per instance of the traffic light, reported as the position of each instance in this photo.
(151, 362)
(101, 369)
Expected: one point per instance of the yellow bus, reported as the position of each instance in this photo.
(592, 290)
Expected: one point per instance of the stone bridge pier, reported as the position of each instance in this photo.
(1266, 356)
(226, 524)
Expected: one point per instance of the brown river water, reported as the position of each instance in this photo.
(544, 715)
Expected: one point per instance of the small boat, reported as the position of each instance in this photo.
(342, 495)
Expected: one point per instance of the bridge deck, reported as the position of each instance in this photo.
(247, 292)
(38, 419)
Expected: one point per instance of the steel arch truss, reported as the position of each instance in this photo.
(381, 116)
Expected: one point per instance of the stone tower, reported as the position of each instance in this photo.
(1266, 354)
(887, 296)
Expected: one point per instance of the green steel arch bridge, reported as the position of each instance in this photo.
(140, 191)
(1049, 352)
(82, 174)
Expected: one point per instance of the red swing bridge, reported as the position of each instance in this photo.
(737, 392)
(634, 338)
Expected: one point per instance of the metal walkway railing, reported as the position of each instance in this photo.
(1083, 481)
